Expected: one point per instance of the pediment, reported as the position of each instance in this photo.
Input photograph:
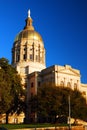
(70, 71)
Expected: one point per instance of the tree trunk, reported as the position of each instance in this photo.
(75, 121)
(7, 118)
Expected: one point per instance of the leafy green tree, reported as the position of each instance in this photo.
(5, 97)
(78, 106)
(52, 102)
(11, 91)
(48, 102)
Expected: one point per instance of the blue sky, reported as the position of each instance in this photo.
(61, 23)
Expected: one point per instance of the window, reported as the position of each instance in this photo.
(25, 48)
(68, 84)
(37, 58)
(31, 57)
(75, 86)
(32, 85)
(24, 56)
(62, 83)
(26, 70)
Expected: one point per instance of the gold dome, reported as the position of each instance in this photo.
(28, 32)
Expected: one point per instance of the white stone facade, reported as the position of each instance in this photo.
(64, 76)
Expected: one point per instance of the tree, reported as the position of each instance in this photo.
(11, 91)
(5, 97)
(51, 102)
(48, 102)
(78, 106)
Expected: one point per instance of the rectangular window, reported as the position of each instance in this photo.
(31, 57)
(24, 56)
(37, 58)
(75, 86)
(26, 70)
(32, 85)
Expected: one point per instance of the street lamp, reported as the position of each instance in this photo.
(69, 113)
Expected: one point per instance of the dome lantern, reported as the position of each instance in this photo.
(28, 32)
(29, 21)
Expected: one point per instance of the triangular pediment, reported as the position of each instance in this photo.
(69, 71)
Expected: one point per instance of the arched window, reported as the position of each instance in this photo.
(75, 86)
(62, 83)
(24, 57)
(69, 84)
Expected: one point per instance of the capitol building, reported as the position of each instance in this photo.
(28, 57)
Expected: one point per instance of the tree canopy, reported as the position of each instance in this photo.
(52, 102)
(10, 88)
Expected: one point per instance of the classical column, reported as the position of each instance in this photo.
(21, 52)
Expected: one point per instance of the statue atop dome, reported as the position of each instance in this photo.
(29, 13)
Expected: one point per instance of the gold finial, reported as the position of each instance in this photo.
(29, 13)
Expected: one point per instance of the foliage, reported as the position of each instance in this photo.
(48, 101)
(78, 106)
(10, 88)
(52, 102)
(21, 126)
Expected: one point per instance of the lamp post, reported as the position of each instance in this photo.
(69, 113)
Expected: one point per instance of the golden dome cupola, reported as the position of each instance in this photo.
(28, 49)
(28, 32)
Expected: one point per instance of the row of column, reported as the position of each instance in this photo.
(23, 52)
(66, 82)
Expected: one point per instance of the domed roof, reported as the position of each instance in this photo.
(28, 32)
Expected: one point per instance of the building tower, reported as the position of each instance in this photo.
(28, 52)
